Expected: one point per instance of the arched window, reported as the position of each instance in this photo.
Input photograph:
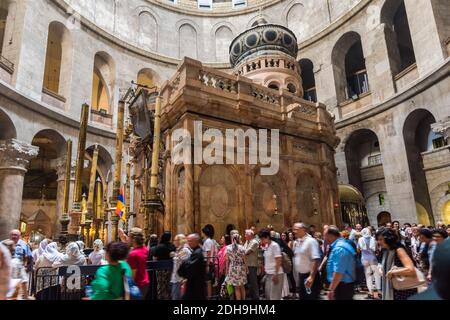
(398, 36)
(349, 67)
(147, 77)
(274, 86)
(308, 79)
(103, 82)
(58, 60)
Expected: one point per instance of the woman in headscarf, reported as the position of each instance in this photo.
(367, 246)
(162, 252)
(38, 252)
(81, 246)
(97, 257)
(73, 256)
(46, 278)
(49, 256)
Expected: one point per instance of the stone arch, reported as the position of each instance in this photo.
(362, 149)
(440, 198)
(105, 161)
(294, 16)
(148, 31)
(41, 178)
(383, 218)
(103, 82)
(58, 60)
(397, 35)
(308, 80)
(7, 128)
(188, 41)
(223, 36)
(148, 77)
(349, 67)
(353, 205)
(268, 209)
(308, 195)
(253, 21)
(416, 132)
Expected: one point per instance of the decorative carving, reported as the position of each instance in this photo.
(303, 109)
(267, 96)
(16, 154)
(216, 81)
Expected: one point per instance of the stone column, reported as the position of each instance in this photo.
(61, 173)
(189, 198)
(15, 156)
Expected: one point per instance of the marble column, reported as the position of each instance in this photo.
(15, 156)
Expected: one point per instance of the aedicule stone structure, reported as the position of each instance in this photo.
(305, 188)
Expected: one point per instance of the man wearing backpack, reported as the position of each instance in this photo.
(306, 262)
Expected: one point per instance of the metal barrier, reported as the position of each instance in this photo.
(62, 283)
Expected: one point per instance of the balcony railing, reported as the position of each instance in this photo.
(375, 160)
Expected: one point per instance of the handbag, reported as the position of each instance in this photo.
(131, 290)
(286, 263)
(408, 282)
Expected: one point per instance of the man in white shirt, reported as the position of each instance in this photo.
(306, 262)
(251, 247)
(272, 266)
(5, 270)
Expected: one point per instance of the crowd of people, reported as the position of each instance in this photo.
(392, 262)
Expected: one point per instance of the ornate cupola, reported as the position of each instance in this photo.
(267, 54)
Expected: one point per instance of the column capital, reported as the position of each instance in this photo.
(16, 154)
(442, 127)
(60, 165)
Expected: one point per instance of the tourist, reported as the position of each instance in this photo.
(426, 239)
(163, 252)
(81, 246)
(288, 290)
(340, 266)
(415, 243)
(194, 271)
(73, 256)
(396, 262)
(49, 256)
(439, 236)
(236, 270)
(291, 238)
(251, 247)
(137, 259)
(5, 270)
(39, 250)
(153, 242)
(182, 254)
(222, 258)
(24, 255)
(97, 257)
(307, 259)
(441, 270)
(108, 283)
(210, 253)
(367, 245)
(272, 266)
(388, 225)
